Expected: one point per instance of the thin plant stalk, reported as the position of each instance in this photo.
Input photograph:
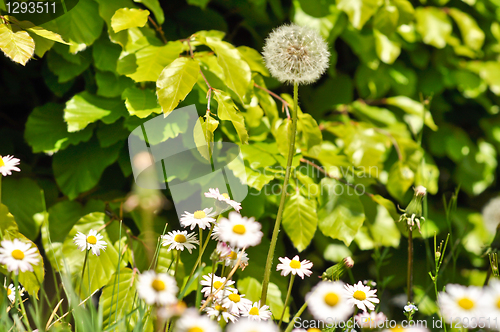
(83, 269)
(297, 315)
(18, 299)
(274, 239)
(200, 256)
(292, 278)
(410, 266)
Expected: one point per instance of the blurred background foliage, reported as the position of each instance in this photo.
(391, 60)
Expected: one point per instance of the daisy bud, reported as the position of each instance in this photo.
(296, 54)
(337, 271)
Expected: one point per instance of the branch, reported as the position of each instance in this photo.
(159, 29)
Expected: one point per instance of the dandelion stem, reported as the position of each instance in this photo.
(410, 266)
(291, 324)
(292, 278)
(291, 150)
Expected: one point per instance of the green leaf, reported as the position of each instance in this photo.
(204, 135)
(16, 43)
(37, 30)
(359, 11)
(380, 222)
(387, 50)
(141, 102)
(118, 296)
(386, 19)
(79, 168)
(341, 212)
(472, 35)
(46, 131)
(42, 45)
(413, 107)
(252, 289)
(405, 10)
(227, 110)
(152, 60)
(254, 60)
(400, 180)
(283, 137)
(324, 24)
(490, 73)
(300, 220)
(105, 54)
(388, 205)
(110, 85)
(126, 18)
(67, 70)
(25, 202)
(175, 82)
(155, 7)
(200, 3)
(311, 137)
(237, 74)
(433, 25)
(85, 108)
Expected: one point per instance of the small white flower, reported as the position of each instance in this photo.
(493, 298)
(240, 231)
(156, 288)
(328, 300)
(491, 215)
(236, 303)
(462, 302)
(216, 233)
(214, 193)
(247, 325)
(410, 307)
(93, 242)
(295, 266)
(296, 54)
(217, 311)
(191, 321)
(371, 320)
(223, 249)
(234, 255)
(18, 255)
(11, 292)
(201, 218)
(213, 283)
(361, 296)
(8, 164)
(179, 240)
(257, 312)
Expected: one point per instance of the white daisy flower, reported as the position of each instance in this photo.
(179, 240)
(217, 311)
(295, 266)
(493, 298)
(223, 249)
(156, 288)
(247, 325)
(93, 242)
(328, 300)
(212, 283)
(214, 193)
(371, 320)
(201, 218)
(462, 302)
(216, 233)
(236, 303)
(18, 255)
(8, 164)
(11, 292)
(191, 321)
(257, 312)
(234, 255)
(240, 231)
(361, 296)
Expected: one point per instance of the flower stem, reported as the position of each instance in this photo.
(1, 188)
(83, 269)
(410, 266)
(291, 324)
(18, 298)
(200, 256)
(292, 278)
(274, 239)
(177, 259)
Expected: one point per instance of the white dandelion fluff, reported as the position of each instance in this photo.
(296, 54)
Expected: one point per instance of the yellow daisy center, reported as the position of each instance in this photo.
(217, 284)
(295, 264)
(498, 303)
(331, 299)
(239, 229)
(180, 238)
(17, 254)
(195, 329)
(1, 162)
(254, 311)
(91, 239)
(398, 329)
(466, 303)
(220, 308)
(233, 255)
(158, 285)
(313, 330)
(225, 195)
(9, 291)
(359, 295)
(200, 214)
(234, 298)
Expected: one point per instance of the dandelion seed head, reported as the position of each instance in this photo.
(296, 54)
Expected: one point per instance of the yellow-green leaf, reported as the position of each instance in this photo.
(228, 111)
(300, 220)
(472, 35)
(359, 11)
(204, 135)
(16, 44)
(37, 30)
(175, 82)
(433, 25)
(126, 18)
(387, 50)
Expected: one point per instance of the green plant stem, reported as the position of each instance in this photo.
(83, 269)
(292, 278)
(1, 188)
(291, 324)
(200, 256)
(177, 259)
(410, 266)
(274, 239)
(18, 298)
